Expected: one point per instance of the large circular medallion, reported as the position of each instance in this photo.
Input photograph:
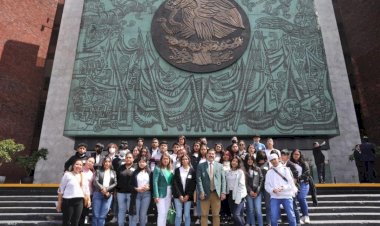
(200, 35)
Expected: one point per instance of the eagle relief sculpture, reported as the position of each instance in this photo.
(200, 35)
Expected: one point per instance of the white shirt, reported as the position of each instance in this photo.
(231, 179)
(202, 160)
(156, 155)
(107, 178)
(88, 175)
(183, 173)
(274, 181)
(226, 166)
(142, 179)
(70, 186)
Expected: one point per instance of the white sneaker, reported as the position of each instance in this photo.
(307, 220)
(198, 221)
(114, 220)
(208, 222)
(302, 220)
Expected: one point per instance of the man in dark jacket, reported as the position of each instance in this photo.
(368, 156)
(98, 155)
(79, 154)
(319, 159)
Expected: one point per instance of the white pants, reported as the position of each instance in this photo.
(163, 207)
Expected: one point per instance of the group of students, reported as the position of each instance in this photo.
(230, 182)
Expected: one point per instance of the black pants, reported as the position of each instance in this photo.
(370, 171)
(321, 172)
(225, 208)
(71, 211)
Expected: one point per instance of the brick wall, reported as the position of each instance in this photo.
(25, 33)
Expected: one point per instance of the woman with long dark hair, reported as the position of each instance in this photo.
(141, 196)
(104, 184)
(71, 192)
(254, 183)
(237, 189)
(225, 211)
(304, 172)
(184, 183)
(162, 187)
(182, 142)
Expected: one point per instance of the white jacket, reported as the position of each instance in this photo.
(274, 181)
(239, 190)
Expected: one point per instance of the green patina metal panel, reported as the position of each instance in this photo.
(121, 86)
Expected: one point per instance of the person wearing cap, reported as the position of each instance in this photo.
(280, 185)
(256, 142)
(368, 156)
(319, 159)
(123, 148)
(234, 140)
(98, 155)
(79, 154)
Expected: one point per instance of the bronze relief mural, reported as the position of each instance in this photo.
(200, 35)
(200, 68)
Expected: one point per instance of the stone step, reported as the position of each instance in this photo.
(324, 209)
(39, 216)
(352, 197)
(29, 198)
(322, 222)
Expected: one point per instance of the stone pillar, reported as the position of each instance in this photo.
(60, 147)
(340, 146)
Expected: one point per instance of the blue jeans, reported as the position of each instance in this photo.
(100, 208)
(186, 212)
(254, 209)
(142, 206)
(275, 210)
(268, 214)
(123, 200)
(301, 197)
(237, 213)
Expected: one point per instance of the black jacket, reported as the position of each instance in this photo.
(98, 182)
(319, 157)
(368, 151)
(190, 184)
(305, 176)
(124, 179)
(293, 169)
(254, 181)
(73, 158)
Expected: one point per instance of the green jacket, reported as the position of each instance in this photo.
(203, 179)
(160, 183)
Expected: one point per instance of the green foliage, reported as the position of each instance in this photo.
(28, 162)
(8, 148)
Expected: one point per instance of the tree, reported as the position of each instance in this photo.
(28, 162)
(8, 148)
